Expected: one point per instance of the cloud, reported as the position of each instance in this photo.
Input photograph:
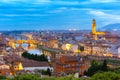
(58, 10)
(107, 17)
(103, 14)
(4, 19)
(103, 1)
(27, 9)
(17, 15)
(12, 1)
(99, 1)
(41, 1)
(25, 1)
(37, 2)
(63, 9)
(67, 2)
(79, 9)
(57, 2)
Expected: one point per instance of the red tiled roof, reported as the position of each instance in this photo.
(32, 63)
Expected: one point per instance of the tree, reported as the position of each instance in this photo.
(45, 72)
(81, 48)
(94, 68)
(35, 57)
(105, 76)
(2, 77)
(104, 66)
(36, 77)
(48, 72)
(27, 77)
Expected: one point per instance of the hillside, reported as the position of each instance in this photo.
(112, 27)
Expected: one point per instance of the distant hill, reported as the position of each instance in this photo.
(112, 27)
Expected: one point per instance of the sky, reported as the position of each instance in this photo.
(57, 14)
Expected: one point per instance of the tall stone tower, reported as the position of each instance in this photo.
(93, 26)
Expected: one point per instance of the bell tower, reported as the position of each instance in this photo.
(93, 26)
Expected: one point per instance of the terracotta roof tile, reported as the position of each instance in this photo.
(32, 63)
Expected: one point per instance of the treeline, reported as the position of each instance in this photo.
(97, 67)
(97, 76)
(45, 72)
(35, 56)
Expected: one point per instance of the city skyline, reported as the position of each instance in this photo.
(57, 14)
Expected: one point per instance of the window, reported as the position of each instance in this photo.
(73, 65)
(78, 69)
(77, 64)
(73, 69)
(67, 65)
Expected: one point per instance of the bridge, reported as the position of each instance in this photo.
(49, 49)
(29, 41)
(52, 51)
(20, 42)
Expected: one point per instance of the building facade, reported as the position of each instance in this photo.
(68, 64)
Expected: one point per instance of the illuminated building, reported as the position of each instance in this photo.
(68, 46)
(94, 32)
(93, 26)
(17, 65)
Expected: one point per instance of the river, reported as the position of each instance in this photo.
(32, 50)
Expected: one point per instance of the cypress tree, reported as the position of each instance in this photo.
(104, 66)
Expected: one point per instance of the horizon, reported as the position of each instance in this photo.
(57, 15)
(49, 30)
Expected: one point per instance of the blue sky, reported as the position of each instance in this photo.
(57, 14)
